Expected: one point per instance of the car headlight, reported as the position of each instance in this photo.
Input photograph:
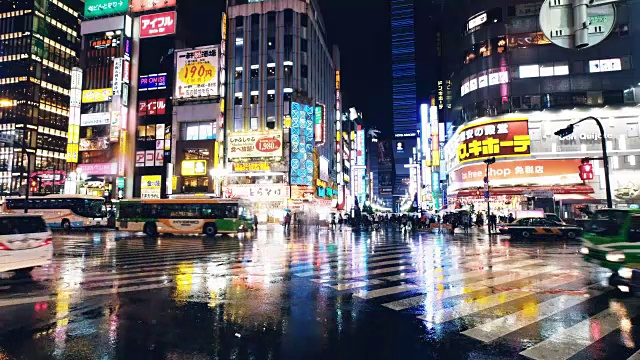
(625, 273)
(615, 257)
(584, 250)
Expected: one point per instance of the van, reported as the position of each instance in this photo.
(26, 242)
(611, 239)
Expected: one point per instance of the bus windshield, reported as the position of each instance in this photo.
(96, 208)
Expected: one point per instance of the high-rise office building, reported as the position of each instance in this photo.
(39, 45)
(280, 111)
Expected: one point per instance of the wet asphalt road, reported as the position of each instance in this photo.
(315, 295)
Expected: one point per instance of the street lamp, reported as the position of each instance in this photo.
(489, 161)
(218, 173)
(605, 159)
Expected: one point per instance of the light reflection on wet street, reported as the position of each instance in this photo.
(315, 294)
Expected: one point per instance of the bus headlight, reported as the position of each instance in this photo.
(584, 250)
(625, 273)
(615, 257)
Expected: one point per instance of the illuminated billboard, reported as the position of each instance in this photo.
(302, 144)
(145, 5)
(197, 73)
(97, 8)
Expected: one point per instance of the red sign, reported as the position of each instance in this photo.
(586, 171)
(158, 24)
(267, 144)
(516, 173)
(142, 107)
(494, 138)
(145, 5)
(152, 106)
(161, 106)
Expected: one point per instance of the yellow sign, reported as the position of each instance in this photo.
(74, 134)
(72, 153)
(174, 183)
(150, 186)
(194, 168)
(249, 167)
(97, 95)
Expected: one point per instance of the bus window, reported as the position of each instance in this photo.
(607, 222)
(634, 229)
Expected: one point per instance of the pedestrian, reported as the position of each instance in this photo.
(511, 219)
(340, 221)
(287, 222)
(493, 223)
(255, 222)
(466, 223)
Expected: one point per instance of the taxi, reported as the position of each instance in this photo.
(539, 227)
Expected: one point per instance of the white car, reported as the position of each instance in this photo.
(25, 242)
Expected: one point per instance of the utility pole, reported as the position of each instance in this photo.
(489, 161)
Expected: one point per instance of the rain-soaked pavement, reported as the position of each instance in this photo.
(315, 295)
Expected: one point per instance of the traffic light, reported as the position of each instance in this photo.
(586, 171)
(565, 132)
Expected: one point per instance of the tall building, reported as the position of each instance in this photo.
(511, 84)
(39, 46)
(280, 111)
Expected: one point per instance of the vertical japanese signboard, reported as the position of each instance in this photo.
(197, 72)
(320, 117)
(302, 144)
(73, 133)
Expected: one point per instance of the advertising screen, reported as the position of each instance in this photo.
(302, 144)
(145, 5)
(197, 73)
(500, 138)
(255, 145)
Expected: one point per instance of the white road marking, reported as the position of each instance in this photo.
(507, 324)
(355, 284)
(481, 285)
(466, 308)
(572, 340)
(370, 294)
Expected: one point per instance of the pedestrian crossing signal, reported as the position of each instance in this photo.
(586, 171)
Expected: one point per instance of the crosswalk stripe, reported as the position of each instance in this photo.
(370, 294)
(456, 291)
(355, 284)
(572, 340)
(507, 324)
(472, 273)
(467, 308)
(85, 294)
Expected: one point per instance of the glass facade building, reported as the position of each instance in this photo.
(39, 45)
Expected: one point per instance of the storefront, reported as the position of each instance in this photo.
(535, 169)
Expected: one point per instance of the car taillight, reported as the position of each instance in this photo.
(47, 241)
(3, 247)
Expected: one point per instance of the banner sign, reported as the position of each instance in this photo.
(274, 192)
(152, 107)
(152, 82)
(158, 24)
(139, 158)
(95, 119)
(145, 5)
(197, 73)
(251, 167)
(98, 168)
(255, 145)
(99, 143)
(96, 8)
(302, 145)
(97, 95)
(117, 77)
(501, 138)
(194, 168)
(150, 186)
(517, 173)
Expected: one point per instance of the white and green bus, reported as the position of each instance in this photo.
(184, 216)
(63, 211)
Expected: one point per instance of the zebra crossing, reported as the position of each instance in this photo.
(489, 295)
(492, 294)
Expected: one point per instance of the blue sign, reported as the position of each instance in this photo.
(486, 195)
(127, 48)
(329, 192)
(143, 85)
(302, 144)
(153, 82)
(435, 182)
(321, 192)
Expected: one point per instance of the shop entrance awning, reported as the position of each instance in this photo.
(522, 190)
(576, 199)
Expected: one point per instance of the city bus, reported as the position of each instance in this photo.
(184, 216)
(63, 211)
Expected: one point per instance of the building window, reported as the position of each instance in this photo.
(238, 115)
(254, 110)
(304, 45)
(239, 21)
(288, 17)
(204, 130)
(271, 43)
(304, 20)
(304, 71)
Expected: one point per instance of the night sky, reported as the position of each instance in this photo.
(361, 28)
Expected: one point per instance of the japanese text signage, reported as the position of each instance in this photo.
(152, 107)
(251, 167)
(499, 138)
(97, 95)
(197, 73)
(145, 5)
(158, 24)
(96, 8)
(274, 192)
(103, 118)
(117, 76)
(319, 123)
(150, 186)
(255, 145)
